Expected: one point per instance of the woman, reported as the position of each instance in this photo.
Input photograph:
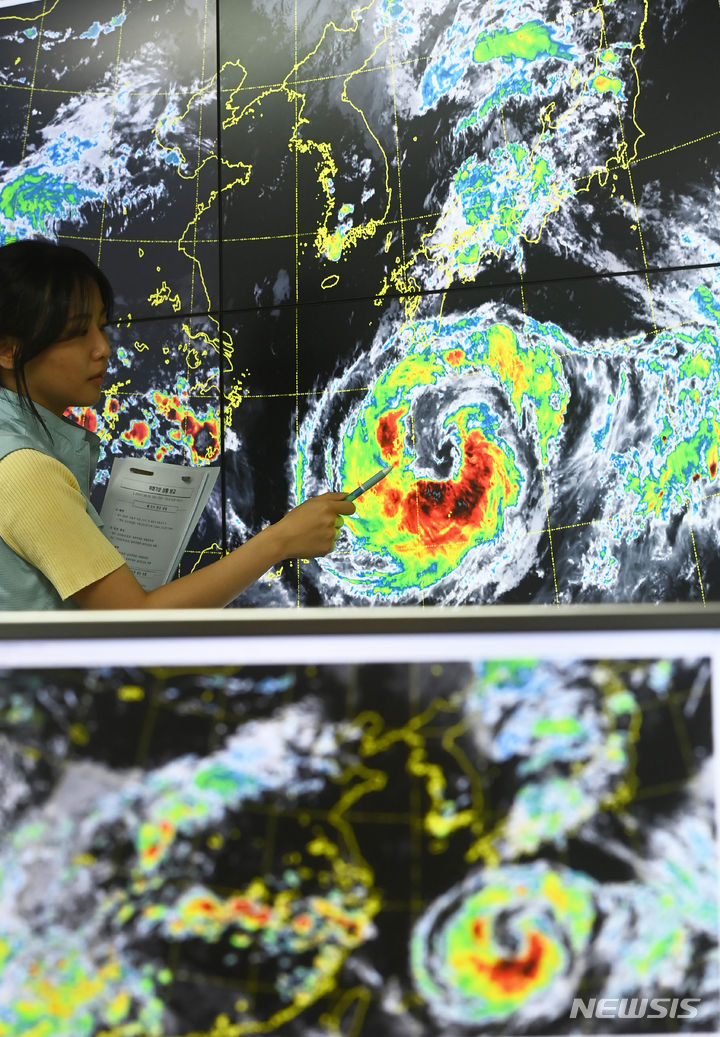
(54, 307)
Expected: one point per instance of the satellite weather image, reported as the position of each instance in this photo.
(414, 850)
(476, 241)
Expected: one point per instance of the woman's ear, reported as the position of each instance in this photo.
(8, 348)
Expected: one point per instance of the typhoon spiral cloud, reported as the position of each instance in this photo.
(505, 944)
(449, 406)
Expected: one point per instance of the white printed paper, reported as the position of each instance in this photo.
(149, 512)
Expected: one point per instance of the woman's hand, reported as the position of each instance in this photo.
(305, 532)
(311, 529)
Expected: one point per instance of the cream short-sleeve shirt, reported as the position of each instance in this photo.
(43, 519)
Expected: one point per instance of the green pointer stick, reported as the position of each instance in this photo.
(372, 481)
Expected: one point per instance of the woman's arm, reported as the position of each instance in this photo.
(305, 532)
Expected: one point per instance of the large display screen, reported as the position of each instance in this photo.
(477, 241)
(404, 833)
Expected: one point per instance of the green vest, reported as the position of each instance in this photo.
(22, 586)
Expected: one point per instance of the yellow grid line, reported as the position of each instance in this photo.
(289, 236)
(110, 135)
(397, 157)
(32, 81)
(626, 164)
(524, 311)
(697, 559)
(417, 495)
(262, 87)
(404, 259)
(91, 92)
(194, 261)
(675, 147)
(329, 78)
(550, 533)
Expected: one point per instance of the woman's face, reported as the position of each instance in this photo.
(70, 372)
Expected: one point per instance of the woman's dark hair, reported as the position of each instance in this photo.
(41, 283)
